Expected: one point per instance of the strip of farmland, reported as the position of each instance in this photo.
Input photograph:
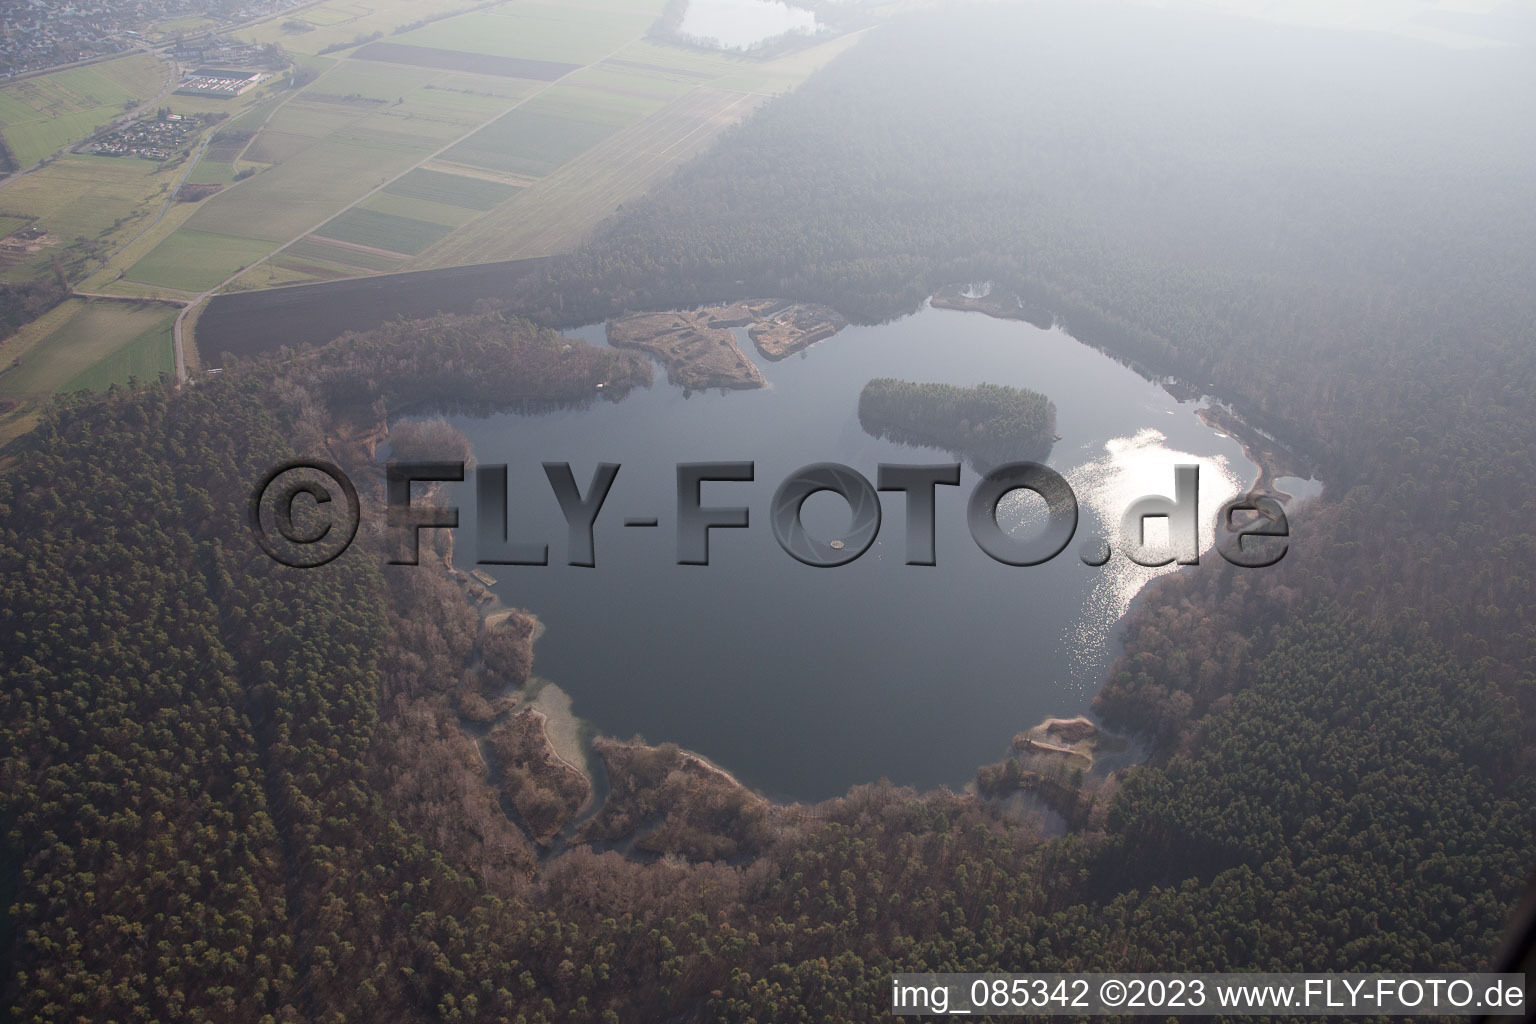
(556, 213)
(460, 60)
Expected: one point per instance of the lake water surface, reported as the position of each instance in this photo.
(740, 24)
(804, 681)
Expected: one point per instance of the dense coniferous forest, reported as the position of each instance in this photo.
(990, 424)
(231, 791)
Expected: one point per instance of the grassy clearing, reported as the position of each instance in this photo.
(40, 116)
(451, 189)
(535, 31)
(92, 344)
(383, 231)
(195, 261)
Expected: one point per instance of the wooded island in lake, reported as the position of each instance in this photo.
(987, 425)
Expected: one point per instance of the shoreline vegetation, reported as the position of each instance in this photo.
(699, 346)
(696, 346)
(1055, 761)
(1272, 457)
(1052, 760)
(987, 425)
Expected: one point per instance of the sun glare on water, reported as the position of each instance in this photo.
(1129, 468)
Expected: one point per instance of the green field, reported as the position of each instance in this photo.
(528, 142)
(601, 106)
(552, 128)
(537, 31)
(40, 116)
(313, 249)
(184, 25)
(383, 231)
(428, 167)
(386, 82)
(96, 198)
(452, 189)
(97, 344)
(634, 81)
(554, 214)
(291, 198)
(419, 209)
(194, 261)
(211, 172)
(149, 354)
(341, 21)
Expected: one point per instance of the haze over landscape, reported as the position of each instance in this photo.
(1289, 244)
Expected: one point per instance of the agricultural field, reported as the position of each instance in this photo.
(100, 200)
(529, 142)
(42, 115)
(338, 22)
(312, 251)
(352, 129)
(554, 214)
(388, 231)
(451, 189)
(88, 344)
(444, 214)
(426, 146)
(194, 261)
(532, 30)
(411, 134)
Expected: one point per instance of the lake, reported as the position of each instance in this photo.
(804, 681)
(741, 24)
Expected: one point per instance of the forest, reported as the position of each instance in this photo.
(238, 793)
(988, 425)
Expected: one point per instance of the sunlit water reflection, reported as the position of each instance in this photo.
(741, 24)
